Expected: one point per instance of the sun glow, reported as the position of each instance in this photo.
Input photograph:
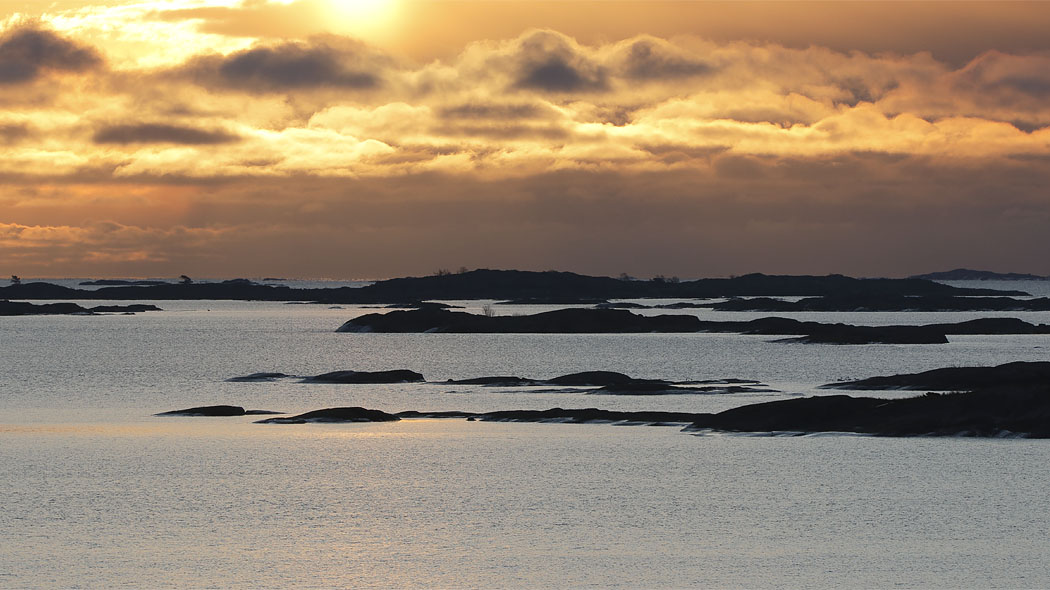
(367, 19)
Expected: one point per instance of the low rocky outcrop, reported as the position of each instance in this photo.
(122, 283)
(134, 308)
(1018, 374)
(891, 302)
(997, 411)
(815, 332)
(993, 412)
(496, 381)
(966, 274)
(613, 383)
(632, 305)
(16, 308)
(362, 377)
(257, 378)
(562, 321)
(334, 415)
(592, 378)
(844, 334)
(216, 411)
(574, 321)
(504, 285)
(422, 305)
(574, 416)
(664, 388)
(598, 302)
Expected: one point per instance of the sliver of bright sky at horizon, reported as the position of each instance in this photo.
(388, 137)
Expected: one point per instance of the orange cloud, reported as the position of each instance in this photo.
(535, 150)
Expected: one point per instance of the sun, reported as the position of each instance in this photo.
(369, 19)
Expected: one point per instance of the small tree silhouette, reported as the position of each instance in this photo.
(185, 280)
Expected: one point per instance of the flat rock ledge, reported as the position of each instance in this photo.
(220, 410)
(376, 377)
(334, 415)
(957, 378)
(613, 383)
(619, 321)
(571, 416)
(15, 308)
(604, 382)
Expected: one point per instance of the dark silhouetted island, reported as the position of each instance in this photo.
(604, 382)
(121, 283)
(507, 285)
(613, 383)
(334, 415)
(1018, 374)
(966, 274)
(1007, 400)
(220, 410)
(364, 377)
(602, 321)
(258, 377)
(867, 302)
(13, 308)
(562, 321)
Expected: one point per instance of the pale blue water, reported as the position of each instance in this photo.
(99, 494)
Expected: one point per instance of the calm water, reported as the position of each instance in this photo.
(98, 493)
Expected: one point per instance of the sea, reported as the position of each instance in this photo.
(99, 492)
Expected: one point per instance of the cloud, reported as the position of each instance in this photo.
(496, 111)
(538, 150)
(27, 52)
(325, 62)
(11, 133)
(649, 58)
(549, 61)
(161, 133)
(864, 213)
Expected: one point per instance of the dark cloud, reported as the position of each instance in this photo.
(859, 90)
(341, 63)
(13, 133)
(548, 62)
(556, 75)
(504, 131)
(1027, 126)
(160, 133)
(492, 111)
(27, 52)
(646, 59)
(1009, 81)
(671, 153)
(1037, 86)
(865, 214)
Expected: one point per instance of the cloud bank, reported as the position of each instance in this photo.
(326, 156)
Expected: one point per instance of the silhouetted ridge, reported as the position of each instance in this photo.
(507, 284)
(966, 274)
(349, 414)
(1018, 374)
(598, 321)
(13, 308)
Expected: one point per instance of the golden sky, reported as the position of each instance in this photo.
(375, 138)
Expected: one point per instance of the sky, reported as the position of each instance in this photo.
(382, 138)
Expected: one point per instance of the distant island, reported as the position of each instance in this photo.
(621, 321)
(1011, 400)
(517, 285)
(966, 274)
(15, 308)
